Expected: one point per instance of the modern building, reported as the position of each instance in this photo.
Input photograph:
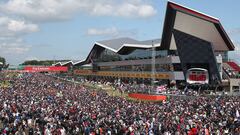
(190, 39)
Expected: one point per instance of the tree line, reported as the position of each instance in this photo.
(3, 63)
(42, 62)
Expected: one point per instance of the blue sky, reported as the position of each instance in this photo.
(67, 29)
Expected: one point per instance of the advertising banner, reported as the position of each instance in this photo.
(45, 69)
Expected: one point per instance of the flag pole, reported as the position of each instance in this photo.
(153, 65)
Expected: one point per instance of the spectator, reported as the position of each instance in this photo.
(39, 104)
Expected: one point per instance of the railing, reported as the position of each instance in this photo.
(230, 73)
(225, 75)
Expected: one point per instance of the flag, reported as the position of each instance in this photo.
(237, 114)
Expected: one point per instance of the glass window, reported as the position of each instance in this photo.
(108, 55)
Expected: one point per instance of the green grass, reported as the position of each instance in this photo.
(112, 92)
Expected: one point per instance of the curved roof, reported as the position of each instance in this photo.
(196, 24)
(66, 63)
(73, 62)
(78, 62)
(116, 45)
(121, 46)
(57, 64)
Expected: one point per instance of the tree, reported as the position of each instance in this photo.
(2, 59)
(30, 62)
(2, 63)
(42, 62)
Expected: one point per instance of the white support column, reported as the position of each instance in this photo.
(153, 64)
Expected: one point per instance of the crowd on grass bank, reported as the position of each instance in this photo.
(36, 104)
(133, 87)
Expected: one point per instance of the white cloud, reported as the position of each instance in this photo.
(21, 26)
(102, 32)
(112, 32)
(126, 8)
(131, 10)
(146, 10)
(14, 27)
(11, 32)
(51, 10)
(41, 10)
(13, 45)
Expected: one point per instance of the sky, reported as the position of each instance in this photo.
(68, 29)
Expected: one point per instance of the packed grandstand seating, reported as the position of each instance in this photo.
(39, 104)
(231, 73)
(232, 69)
(234, 65)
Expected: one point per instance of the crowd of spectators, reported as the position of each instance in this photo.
(42, 105)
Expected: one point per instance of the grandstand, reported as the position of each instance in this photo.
(183, 46)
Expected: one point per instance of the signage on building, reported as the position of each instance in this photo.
(122, 74)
